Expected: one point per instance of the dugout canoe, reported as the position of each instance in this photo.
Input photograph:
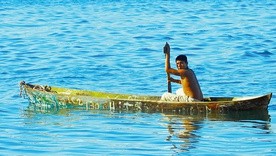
(51, 96)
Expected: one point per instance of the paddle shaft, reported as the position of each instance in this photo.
(169, 84)
(166, 49)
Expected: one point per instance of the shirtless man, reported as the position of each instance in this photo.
(190, 90)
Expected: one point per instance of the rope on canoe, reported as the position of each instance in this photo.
(39, 95)
(37, 87)
(22, 89)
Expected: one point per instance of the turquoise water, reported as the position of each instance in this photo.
(116, 46)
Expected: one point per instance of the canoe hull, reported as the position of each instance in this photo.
(66, 98)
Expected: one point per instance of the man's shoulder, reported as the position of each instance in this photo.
(190, 71)
(186, 73)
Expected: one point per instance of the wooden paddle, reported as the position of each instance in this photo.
(166, 49)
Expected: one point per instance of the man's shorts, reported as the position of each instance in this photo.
(178, 97)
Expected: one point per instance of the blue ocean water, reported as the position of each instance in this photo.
(116, 46)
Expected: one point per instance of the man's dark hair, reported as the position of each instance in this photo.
(182, 58)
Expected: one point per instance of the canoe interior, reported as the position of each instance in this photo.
(101, 95)
(66, 91)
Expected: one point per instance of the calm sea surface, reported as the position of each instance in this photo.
(116, 46)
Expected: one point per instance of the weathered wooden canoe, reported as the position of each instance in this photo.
(50, 96)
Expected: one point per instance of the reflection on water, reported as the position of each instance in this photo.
(184, 130)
